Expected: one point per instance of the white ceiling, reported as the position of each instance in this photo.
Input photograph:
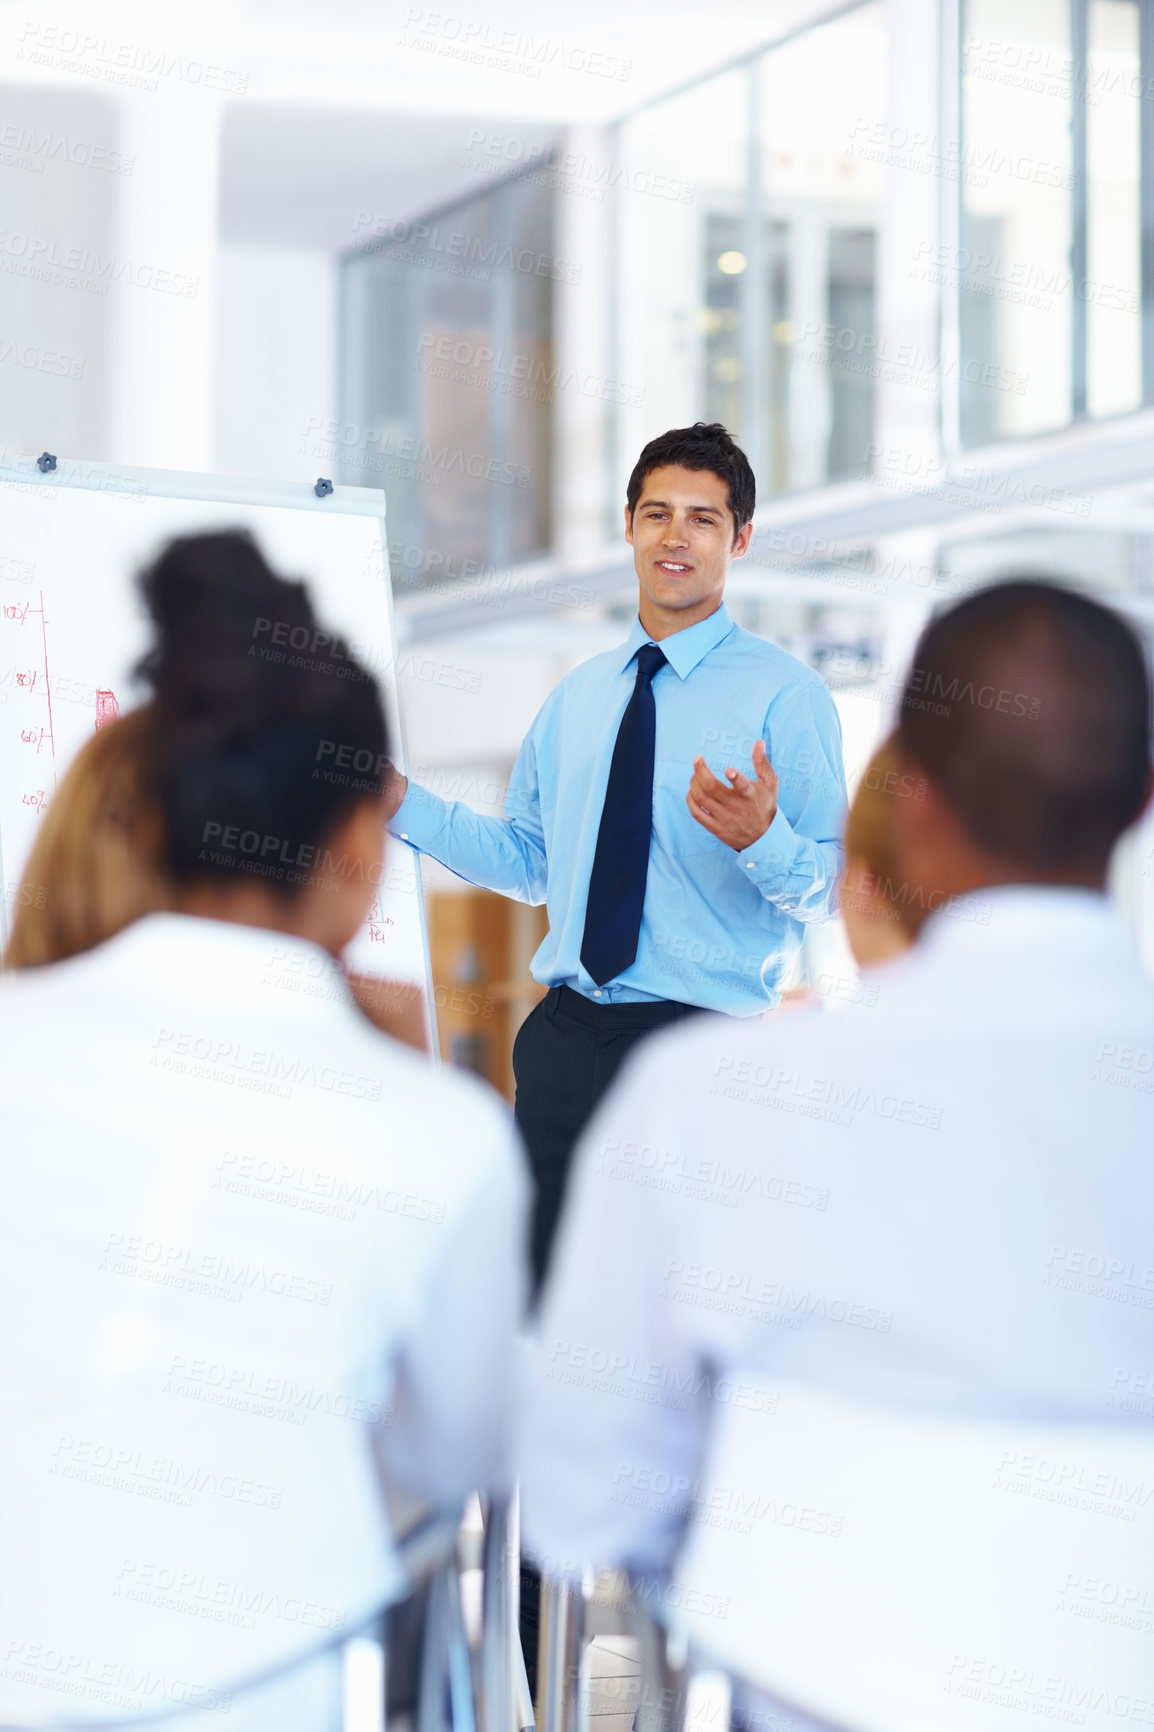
(353, 105)
(301, 177)
(524, 59)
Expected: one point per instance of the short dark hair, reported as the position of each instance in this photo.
(266, 728)
(705, 445)
(1028, 706)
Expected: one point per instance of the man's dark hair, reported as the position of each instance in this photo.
(266, 728)
(1028, 705)
(705, 445)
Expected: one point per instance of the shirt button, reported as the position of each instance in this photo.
(749, 865)
(597, 992)
(404, 835)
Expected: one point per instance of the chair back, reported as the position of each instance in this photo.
(890, 1570)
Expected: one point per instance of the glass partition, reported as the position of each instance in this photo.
(1013, 271)
(682, 252)
(1113, 291)
(447, 381)
(746, 268)
(822, 101)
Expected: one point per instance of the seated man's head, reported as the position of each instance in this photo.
(267, 745)
(688, 515)
(1028, 711)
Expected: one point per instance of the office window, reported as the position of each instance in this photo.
(1111, 293)
(747, 265)
(1013, 271)
(682, 252)
(822, 106)
(447, 381)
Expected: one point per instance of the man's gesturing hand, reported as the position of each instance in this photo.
(743, 811)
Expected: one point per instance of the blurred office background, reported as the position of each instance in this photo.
(903, 248)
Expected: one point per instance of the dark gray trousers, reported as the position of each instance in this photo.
(567, 1052)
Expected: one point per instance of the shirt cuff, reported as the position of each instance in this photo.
(418, 818)
(771, 862)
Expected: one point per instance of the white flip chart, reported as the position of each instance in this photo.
(72, 625)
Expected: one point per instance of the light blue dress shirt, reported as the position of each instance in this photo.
(719, 927)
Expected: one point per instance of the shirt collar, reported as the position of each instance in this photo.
(684, 649)
(214, 958)
(1055, 920)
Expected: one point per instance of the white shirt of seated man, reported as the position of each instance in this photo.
(904, 1201)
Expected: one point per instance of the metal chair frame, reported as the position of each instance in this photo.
(429, 1554)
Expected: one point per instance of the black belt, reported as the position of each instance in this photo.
(564, 1001)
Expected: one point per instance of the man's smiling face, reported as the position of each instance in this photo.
(681, 533)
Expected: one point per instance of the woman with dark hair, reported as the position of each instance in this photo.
(101, 860)
(226, 1205)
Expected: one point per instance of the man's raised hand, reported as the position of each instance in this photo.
(739, 810)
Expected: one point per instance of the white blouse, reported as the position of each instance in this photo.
(252, 1253)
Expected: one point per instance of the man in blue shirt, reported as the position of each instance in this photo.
(675, 880)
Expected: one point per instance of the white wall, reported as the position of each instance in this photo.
(62, 173)
(275, 359)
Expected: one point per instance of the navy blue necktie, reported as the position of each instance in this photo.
(621, 862)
